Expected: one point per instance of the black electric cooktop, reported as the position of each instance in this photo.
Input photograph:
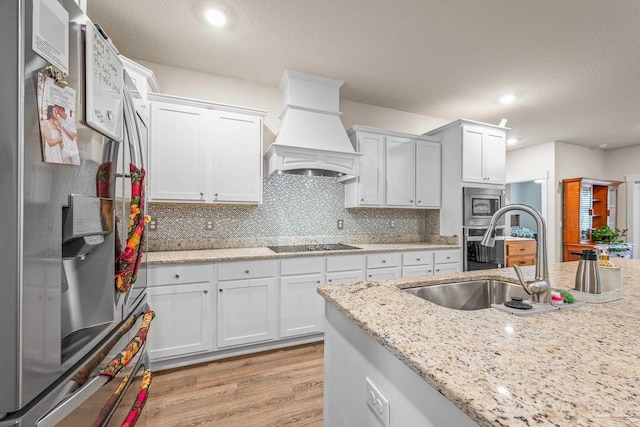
(311, 248)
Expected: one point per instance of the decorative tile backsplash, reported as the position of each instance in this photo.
(295, 210)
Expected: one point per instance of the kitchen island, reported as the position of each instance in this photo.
(573, 367)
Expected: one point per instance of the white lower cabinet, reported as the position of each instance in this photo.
(180, 295)
(301, 307)
(417, 263)
(447, 261)
(384, 266)
(247, 303)
(344, 277)
(345, 268)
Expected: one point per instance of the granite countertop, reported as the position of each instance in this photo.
(574, 367)
(208, 255)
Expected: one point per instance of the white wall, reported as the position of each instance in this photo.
(225, 90)
(618, 164)
(538, 162)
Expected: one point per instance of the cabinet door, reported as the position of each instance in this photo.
(384, 273)
(400, 171)
(177, 152)
(371, 179)
(236, 158)
(345, 276)
(428, 174)
(447, 268)
(417, 270)
(494, 157)
(182, 325)
(472, 155)
(247, 311)
(301, 307)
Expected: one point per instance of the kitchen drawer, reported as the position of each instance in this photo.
(393, 259)
(246, 270)
(417, 270)
(417, 258)
(384, 273)
(344, 276)
(172, 274)
(447, 256)
(302, 265)
(521, 260)
(345, 262)
(521, 247)
(447, 268)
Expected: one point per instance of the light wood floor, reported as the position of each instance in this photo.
(276, 388)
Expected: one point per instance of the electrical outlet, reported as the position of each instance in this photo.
(340, 224)
(153, 225)
(378, 403)
(392, 224)
(208, 225)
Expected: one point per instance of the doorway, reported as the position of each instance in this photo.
(532, 193)
(633, 212)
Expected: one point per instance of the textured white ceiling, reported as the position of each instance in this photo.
(575, 64)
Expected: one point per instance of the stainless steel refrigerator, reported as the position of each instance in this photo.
(62, 224)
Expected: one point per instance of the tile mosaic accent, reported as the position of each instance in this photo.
(295, 210)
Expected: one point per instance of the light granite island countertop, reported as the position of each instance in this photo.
(577, 367)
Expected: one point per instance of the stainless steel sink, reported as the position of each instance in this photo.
(472, 295)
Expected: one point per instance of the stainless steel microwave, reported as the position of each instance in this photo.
(480, 204)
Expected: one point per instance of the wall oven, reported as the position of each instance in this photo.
(478, 257)
(479, 205)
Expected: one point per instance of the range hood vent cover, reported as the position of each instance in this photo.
(311, 135)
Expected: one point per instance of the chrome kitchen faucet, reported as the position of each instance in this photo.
(540, 288)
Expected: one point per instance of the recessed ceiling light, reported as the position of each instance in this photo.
(512, 141)
(508, 98)
(216, 17)
(604, 145)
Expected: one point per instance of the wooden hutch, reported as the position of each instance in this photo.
(588, 204)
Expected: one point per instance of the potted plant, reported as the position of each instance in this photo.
(610, 238)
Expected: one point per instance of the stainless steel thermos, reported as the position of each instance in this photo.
(588, 275)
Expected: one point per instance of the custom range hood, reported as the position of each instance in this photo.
(311, 139)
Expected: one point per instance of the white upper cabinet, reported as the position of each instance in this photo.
(204, 152)
(400, 171)
(369, 186)
(237, 158)
(483, 155)
(428, 174)
(177, 159)
(396, 170)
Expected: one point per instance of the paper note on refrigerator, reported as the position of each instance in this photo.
(51, 33)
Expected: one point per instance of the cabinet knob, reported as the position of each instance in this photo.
(206, 291)
(410, 201)
(362, 200)
(522, 249)
(215, 195)
(220, 290)
(437, 269)
(417, 259)
(384, 261)
(318, 282)
(448, 257)
(177, 276)
(370, 276)
(419, 201)
(246, 272)
(330, 280)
